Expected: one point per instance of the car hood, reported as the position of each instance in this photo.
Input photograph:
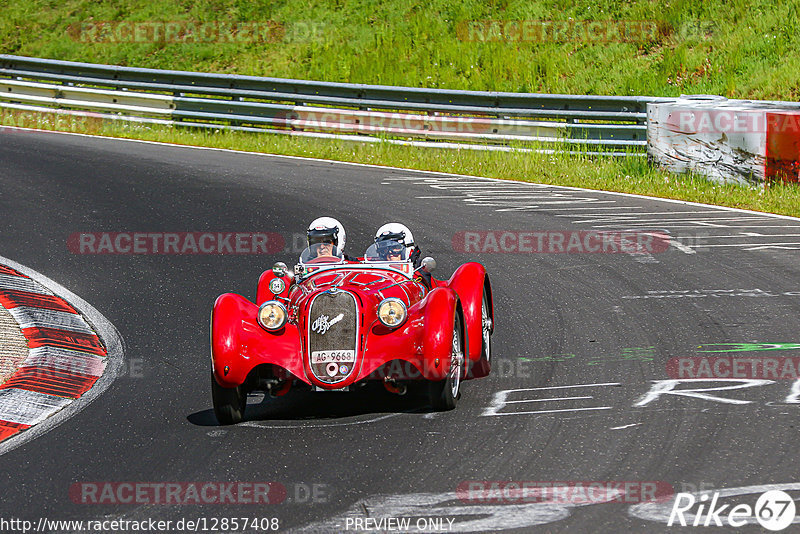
(370, 285)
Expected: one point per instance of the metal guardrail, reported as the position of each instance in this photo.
(472, 119)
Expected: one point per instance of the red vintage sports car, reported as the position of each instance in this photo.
(337, 324)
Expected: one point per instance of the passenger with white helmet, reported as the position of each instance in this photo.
(326, 238)
(395, 242)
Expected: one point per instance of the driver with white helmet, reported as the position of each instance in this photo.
(327, 235)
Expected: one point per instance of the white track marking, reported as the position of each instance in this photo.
(500, 400)
(440, 196)
(74, 361)
(713, 293)
(713, 245)
(545, 400)
(794, 394)
(610, 218)
(759, 226)
(627, 208)
(657, 220)
(257, 424)
(570, 386)
(683, 248)
(29, 317)
(503, 198)
(667, 387)
(624, 426)
(555, 411)
(29, 407)
(465, 517)
(670, 223)
(19, 283)
(743, 235)
(775, 247)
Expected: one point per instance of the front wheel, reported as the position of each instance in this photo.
(229, 403)
(486, 328)
(483, 365)
(444, 394)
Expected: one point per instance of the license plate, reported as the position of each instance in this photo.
(335, 356)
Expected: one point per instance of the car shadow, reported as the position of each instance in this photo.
(305, 405)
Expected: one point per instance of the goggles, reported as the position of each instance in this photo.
(321, 240)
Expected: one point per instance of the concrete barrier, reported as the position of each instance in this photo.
(740, 141)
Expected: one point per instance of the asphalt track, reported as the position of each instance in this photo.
(563, 319)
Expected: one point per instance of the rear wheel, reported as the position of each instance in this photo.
(229, 403)
(444, 394)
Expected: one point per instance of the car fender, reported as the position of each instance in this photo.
(264, 293)
(468, 282)
(239, 344)
(440, 308)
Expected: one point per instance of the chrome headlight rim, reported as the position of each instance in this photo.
(402, 306)
(277, 304)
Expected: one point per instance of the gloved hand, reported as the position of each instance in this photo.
(416, 257)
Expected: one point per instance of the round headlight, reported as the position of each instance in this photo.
(392, 312)
(272, 315)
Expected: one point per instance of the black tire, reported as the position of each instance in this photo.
(444, 394)
(486, 327)
(229, 403)
(483, 366)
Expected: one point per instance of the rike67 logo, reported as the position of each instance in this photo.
(774, 510)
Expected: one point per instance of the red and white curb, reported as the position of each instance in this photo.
(68, 356)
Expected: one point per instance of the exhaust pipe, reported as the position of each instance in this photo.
(392, 386)
(276, 388)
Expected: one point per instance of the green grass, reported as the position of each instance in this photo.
(739, 49)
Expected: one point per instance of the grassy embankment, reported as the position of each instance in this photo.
(736, 49)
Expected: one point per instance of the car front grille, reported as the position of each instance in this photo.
(333, 335)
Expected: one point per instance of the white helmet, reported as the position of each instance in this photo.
(327, 227)
(396, 232)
